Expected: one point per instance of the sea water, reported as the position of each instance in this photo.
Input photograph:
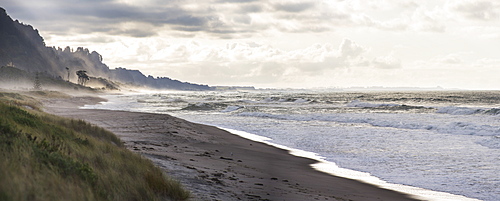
(440, 145)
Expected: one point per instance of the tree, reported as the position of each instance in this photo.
(67, 69)
(82, 77)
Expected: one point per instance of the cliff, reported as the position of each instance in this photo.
(22, 47)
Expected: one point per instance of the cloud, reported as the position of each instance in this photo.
(416, 18)
(107, 16)
(450, 59)
(219, 19)
(294, 7)
(349, 49)
(477, 9)
(484, 32)
(392, 25)
(95, 39)
(271, 41)
(250, 8)
(239, 63)
(188, 21)
(386, 62)
(429, 20)
(236, 1)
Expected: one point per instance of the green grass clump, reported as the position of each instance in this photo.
(45, 157)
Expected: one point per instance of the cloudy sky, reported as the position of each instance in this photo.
(277, 43)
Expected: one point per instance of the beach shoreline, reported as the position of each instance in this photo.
(217, 165)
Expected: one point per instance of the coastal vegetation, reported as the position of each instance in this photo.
(46, 157)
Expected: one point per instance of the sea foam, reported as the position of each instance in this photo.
(335, 170)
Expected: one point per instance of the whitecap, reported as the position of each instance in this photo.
(232, 108)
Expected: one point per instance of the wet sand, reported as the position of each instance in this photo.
(216, 165)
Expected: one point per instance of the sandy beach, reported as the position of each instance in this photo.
(216, 165)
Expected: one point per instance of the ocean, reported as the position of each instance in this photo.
(439, 145)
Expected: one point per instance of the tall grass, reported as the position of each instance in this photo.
(45, 157)
(19, 100)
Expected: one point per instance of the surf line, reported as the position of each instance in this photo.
(333, 169)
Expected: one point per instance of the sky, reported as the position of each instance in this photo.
(283, 44)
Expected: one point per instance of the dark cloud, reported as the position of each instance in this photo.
(188, 21)
(243, 19)
(109, 16)
(217, 18)
(294, 7)
(111, 12)
(252, 8)
(137, 33)
(188, 28)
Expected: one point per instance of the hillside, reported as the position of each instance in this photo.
(22, 47)
(45, 157)
(14, 78)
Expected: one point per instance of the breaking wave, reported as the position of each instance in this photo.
(430, 122)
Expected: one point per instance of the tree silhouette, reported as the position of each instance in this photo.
(82, 77)
(67, 69)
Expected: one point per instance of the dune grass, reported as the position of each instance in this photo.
(19, 100)
(45, 157)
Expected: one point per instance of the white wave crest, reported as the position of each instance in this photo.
(430, 122)
(458, 110)
(358, 103)
(232, 108)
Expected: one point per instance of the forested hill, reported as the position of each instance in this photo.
(22, 46)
